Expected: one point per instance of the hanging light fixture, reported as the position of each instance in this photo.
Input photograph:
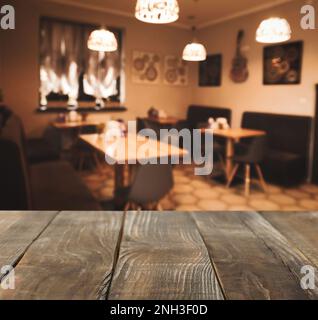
(273, 30)
(194, 51)
(157, 11)
(102, 40)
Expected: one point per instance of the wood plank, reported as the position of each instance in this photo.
(162, 256)
(301, 229)
(17, 231)
(284, 250)
(246, 267)
(72, 260)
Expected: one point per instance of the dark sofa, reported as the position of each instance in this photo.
(287, 158)
(51, 185)
(200, 114)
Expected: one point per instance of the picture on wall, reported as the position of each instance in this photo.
(210, 71)
(146, 68)
(283, 63)
(176, 71)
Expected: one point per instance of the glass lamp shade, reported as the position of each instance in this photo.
(157, 11)
(273, 30)
(102, 41)
(194, 52)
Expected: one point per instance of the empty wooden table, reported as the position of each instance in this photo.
(233, 136)
(153, 255)
(129, 147)
(74, 124)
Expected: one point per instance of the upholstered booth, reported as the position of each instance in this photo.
(287, 157)
(197, 115)
(52, 185)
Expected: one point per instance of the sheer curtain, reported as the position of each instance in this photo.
(65, 57)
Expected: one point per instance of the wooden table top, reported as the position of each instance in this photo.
(158, 255)
(129, 145)
(236, 134)
(74, 124)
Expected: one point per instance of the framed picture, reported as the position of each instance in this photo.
(210, 71)
(283, 63)
(176, 71)
(146, 68)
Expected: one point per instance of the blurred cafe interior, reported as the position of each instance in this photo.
(244, 71)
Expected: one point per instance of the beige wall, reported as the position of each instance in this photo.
(253, 95)
(20, 67)
(21, 61)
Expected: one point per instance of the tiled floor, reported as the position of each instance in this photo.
(192, 193)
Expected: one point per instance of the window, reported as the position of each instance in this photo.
(70, 73)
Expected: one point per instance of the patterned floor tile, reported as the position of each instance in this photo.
(183, 188)
(192, 193)
(199, 184)
(184, 199)
(310, 188)
(205, 193)
(240, 208)
(188, 208)
(263, 205)
(212, 205)
(297, 194)
(232, 199)
(309, 204)
(282, 200)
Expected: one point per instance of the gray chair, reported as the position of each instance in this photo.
(150, 185)
(252, 156)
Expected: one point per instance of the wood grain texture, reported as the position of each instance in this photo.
(282, 249)
(246, 267)
(73, 259)
(17, 232)
(162, 256)
(301, 229)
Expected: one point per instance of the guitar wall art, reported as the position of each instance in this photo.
(239, 71)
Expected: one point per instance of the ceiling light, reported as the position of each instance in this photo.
(194, 52)
(157, 11)
(273, 30)
(103, 41)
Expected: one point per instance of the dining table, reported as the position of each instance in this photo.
(158, 255)
(65, 125)
(233, 136)
(124, 152)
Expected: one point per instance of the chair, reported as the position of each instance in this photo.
(252, 156)
(150, 185)
(82, 151)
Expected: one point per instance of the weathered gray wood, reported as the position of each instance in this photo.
(301, 229)
(162, 256)
(281, 248)
(246, 267)
(17, 231)
(72, 259)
